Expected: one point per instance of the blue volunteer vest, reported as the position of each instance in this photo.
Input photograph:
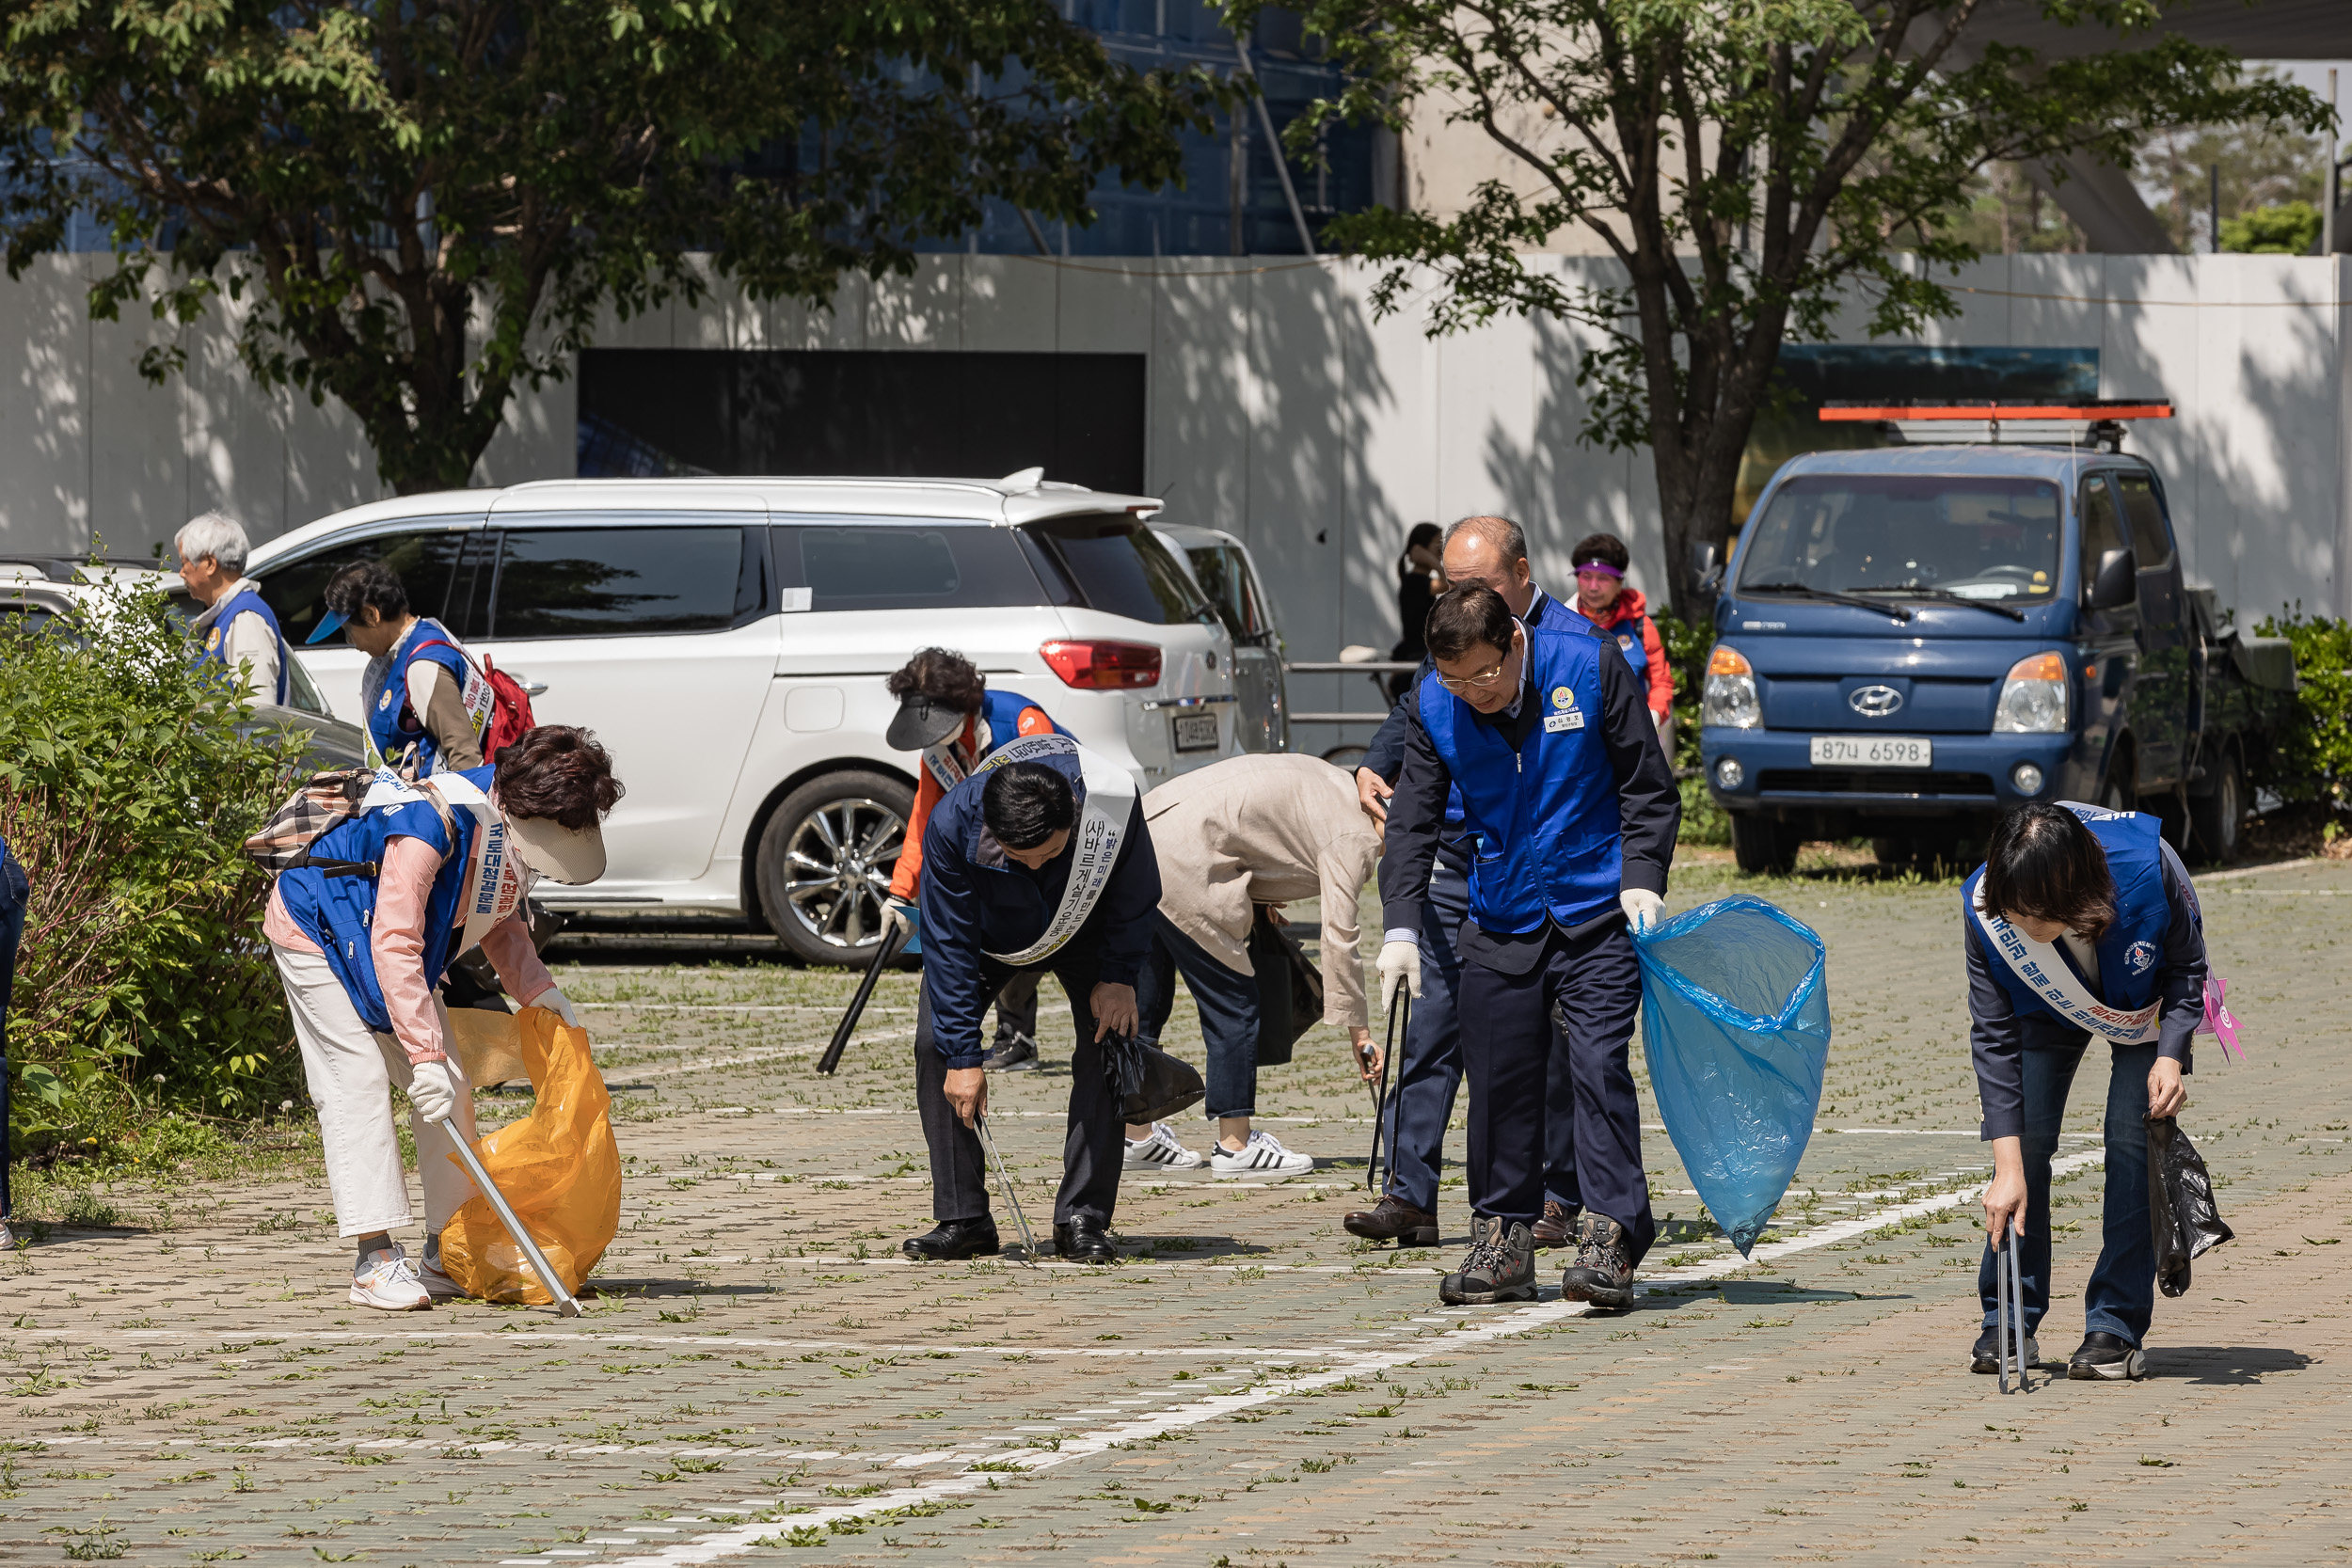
(214, 649)
(2131, 955)
(1549, 836)
(1003, 709)
(338, 913)
(1628, 634)
(387, 713)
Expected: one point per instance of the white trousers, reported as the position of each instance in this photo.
(350, 1070)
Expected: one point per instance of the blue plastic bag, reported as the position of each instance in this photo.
(1735, 1028)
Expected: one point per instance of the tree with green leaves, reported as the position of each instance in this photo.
(430, 202)
(1750, 167)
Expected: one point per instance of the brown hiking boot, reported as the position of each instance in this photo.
(1602, 1273)
(1501, 1266)
(1393, 1220)
(1558, 1226)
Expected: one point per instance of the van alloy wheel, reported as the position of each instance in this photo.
(825, 861)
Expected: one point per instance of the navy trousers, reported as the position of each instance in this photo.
(2121, 1298)
(1429, 1067)
(1592, 983)
(1230, 1015)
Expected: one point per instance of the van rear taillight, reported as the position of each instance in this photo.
(1099, 665)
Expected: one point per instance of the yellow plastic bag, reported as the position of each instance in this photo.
(559, 1167)
(489, 1046)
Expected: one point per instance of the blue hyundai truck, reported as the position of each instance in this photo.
(1912, 639)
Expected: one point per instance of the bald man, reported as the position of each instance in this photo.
(1492, 551)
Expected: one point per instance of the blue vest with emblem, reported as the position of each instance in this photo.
(2131, 955)
(1628, 636)
(216, 646)
(385, 715)
(1003, 709)
(1549, 835)
(339, 912)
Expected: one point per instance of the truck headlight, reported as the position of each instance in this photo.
(1729, 701)
(1730, 774)
(2033, 697)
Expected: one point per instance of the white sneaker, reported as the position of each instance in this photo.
(1261, 1156)
(1162, 1149)
(390, 1284)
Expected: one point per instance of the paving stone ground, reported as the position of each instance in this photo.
(759, 1377)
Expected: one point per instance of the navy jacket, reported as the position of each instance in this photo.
(1999, 1034)
(975, 899)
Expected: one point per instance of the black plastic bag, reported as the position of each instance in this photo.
(1153, 1085)
(1290, 989)
(2183, 1220)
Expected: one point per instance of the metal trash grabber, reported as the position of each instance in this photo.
(2009, 1311)
(883, 953)
(564, 1305)
(1381, 1099)
(1003, 1179)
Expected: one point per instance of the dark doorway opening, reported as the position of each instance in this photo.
(651, 412)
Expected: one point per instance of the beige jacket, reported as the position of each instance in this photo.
(1267, 829)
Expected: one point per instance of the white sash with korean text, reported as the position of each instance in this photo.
(947, 768)
(1094, 844)
(2047, 976)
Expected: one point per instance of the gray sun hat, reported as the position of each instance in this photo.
(922, 722)
(568, 855)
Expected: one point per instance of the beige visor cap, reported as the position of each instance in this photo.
(568, 855)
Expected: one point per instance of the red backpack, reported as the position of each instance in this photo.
(509, 704)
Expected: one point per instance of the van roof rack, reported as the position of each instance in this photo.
(2066, 422)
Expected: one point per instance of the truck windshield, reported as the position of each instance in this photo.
(1980, 538)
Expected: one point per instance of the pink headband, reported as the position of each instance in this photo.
(1599, 566)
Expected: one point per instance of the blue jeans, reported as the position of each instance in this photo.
(2121, 1298)
(1228, 1002)
(1429, 1067)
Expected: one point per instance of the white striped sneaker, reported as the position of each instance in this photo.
(1162, 1149)
(1261, 1156)
(390, 1283)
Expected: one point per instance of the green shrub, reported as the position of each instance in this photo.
(2312, 757)
(143, 981)
(1688, 643)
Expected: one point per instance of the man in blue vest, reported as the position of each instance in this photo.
(1492, 551)
(1039, 862)
(2081, 922)
(237, 631)
(1544, 733)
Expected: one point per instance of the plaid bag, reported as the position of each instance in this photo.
(327, 802)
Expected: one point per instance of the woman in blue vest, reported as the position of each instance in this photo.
(2081, 922)
(1544, 731)
(362, 936)
(237, 632)
(426, 707)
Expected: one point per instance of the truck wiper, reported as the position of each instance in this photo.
(1898, 611)
(1944, 595)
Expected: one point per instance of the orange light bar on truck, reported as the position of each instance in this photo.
(1994, 412)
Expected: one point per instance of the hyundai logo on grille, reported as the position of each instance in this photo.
(1875, 702)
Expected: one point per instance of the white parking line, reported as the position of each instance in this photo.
(741, 1539)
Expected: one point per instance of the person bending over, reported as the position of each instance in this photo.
(2081, 923)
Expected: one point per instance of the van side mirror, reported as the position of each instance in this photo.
(2117, 580)
(1707, 568)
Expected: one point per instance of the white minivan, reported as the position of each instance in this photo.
(728, 638)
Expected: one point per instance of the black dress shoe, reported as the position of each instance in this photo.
(953, 1239)
(1393, 1220)
(2108, 1358)
(1082, 1241)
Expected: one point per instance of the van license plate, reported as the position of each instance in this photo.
(1195, 731)
(1872, 750)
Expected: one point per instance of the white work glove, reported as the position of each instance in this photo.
(559, 1005)
(1400, 970)
(1642, 908)
(432, 1090)
(898, 914)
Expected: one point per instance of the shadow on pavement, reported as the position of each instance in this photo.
(2222, 1365)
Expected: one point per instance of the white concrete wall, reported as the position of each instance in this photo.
(1279, 409)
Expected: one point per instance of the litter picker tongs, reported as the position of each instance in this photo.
(2009, 1317)
(1013, 1199)
(564, 1304)
(1382, 1098)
